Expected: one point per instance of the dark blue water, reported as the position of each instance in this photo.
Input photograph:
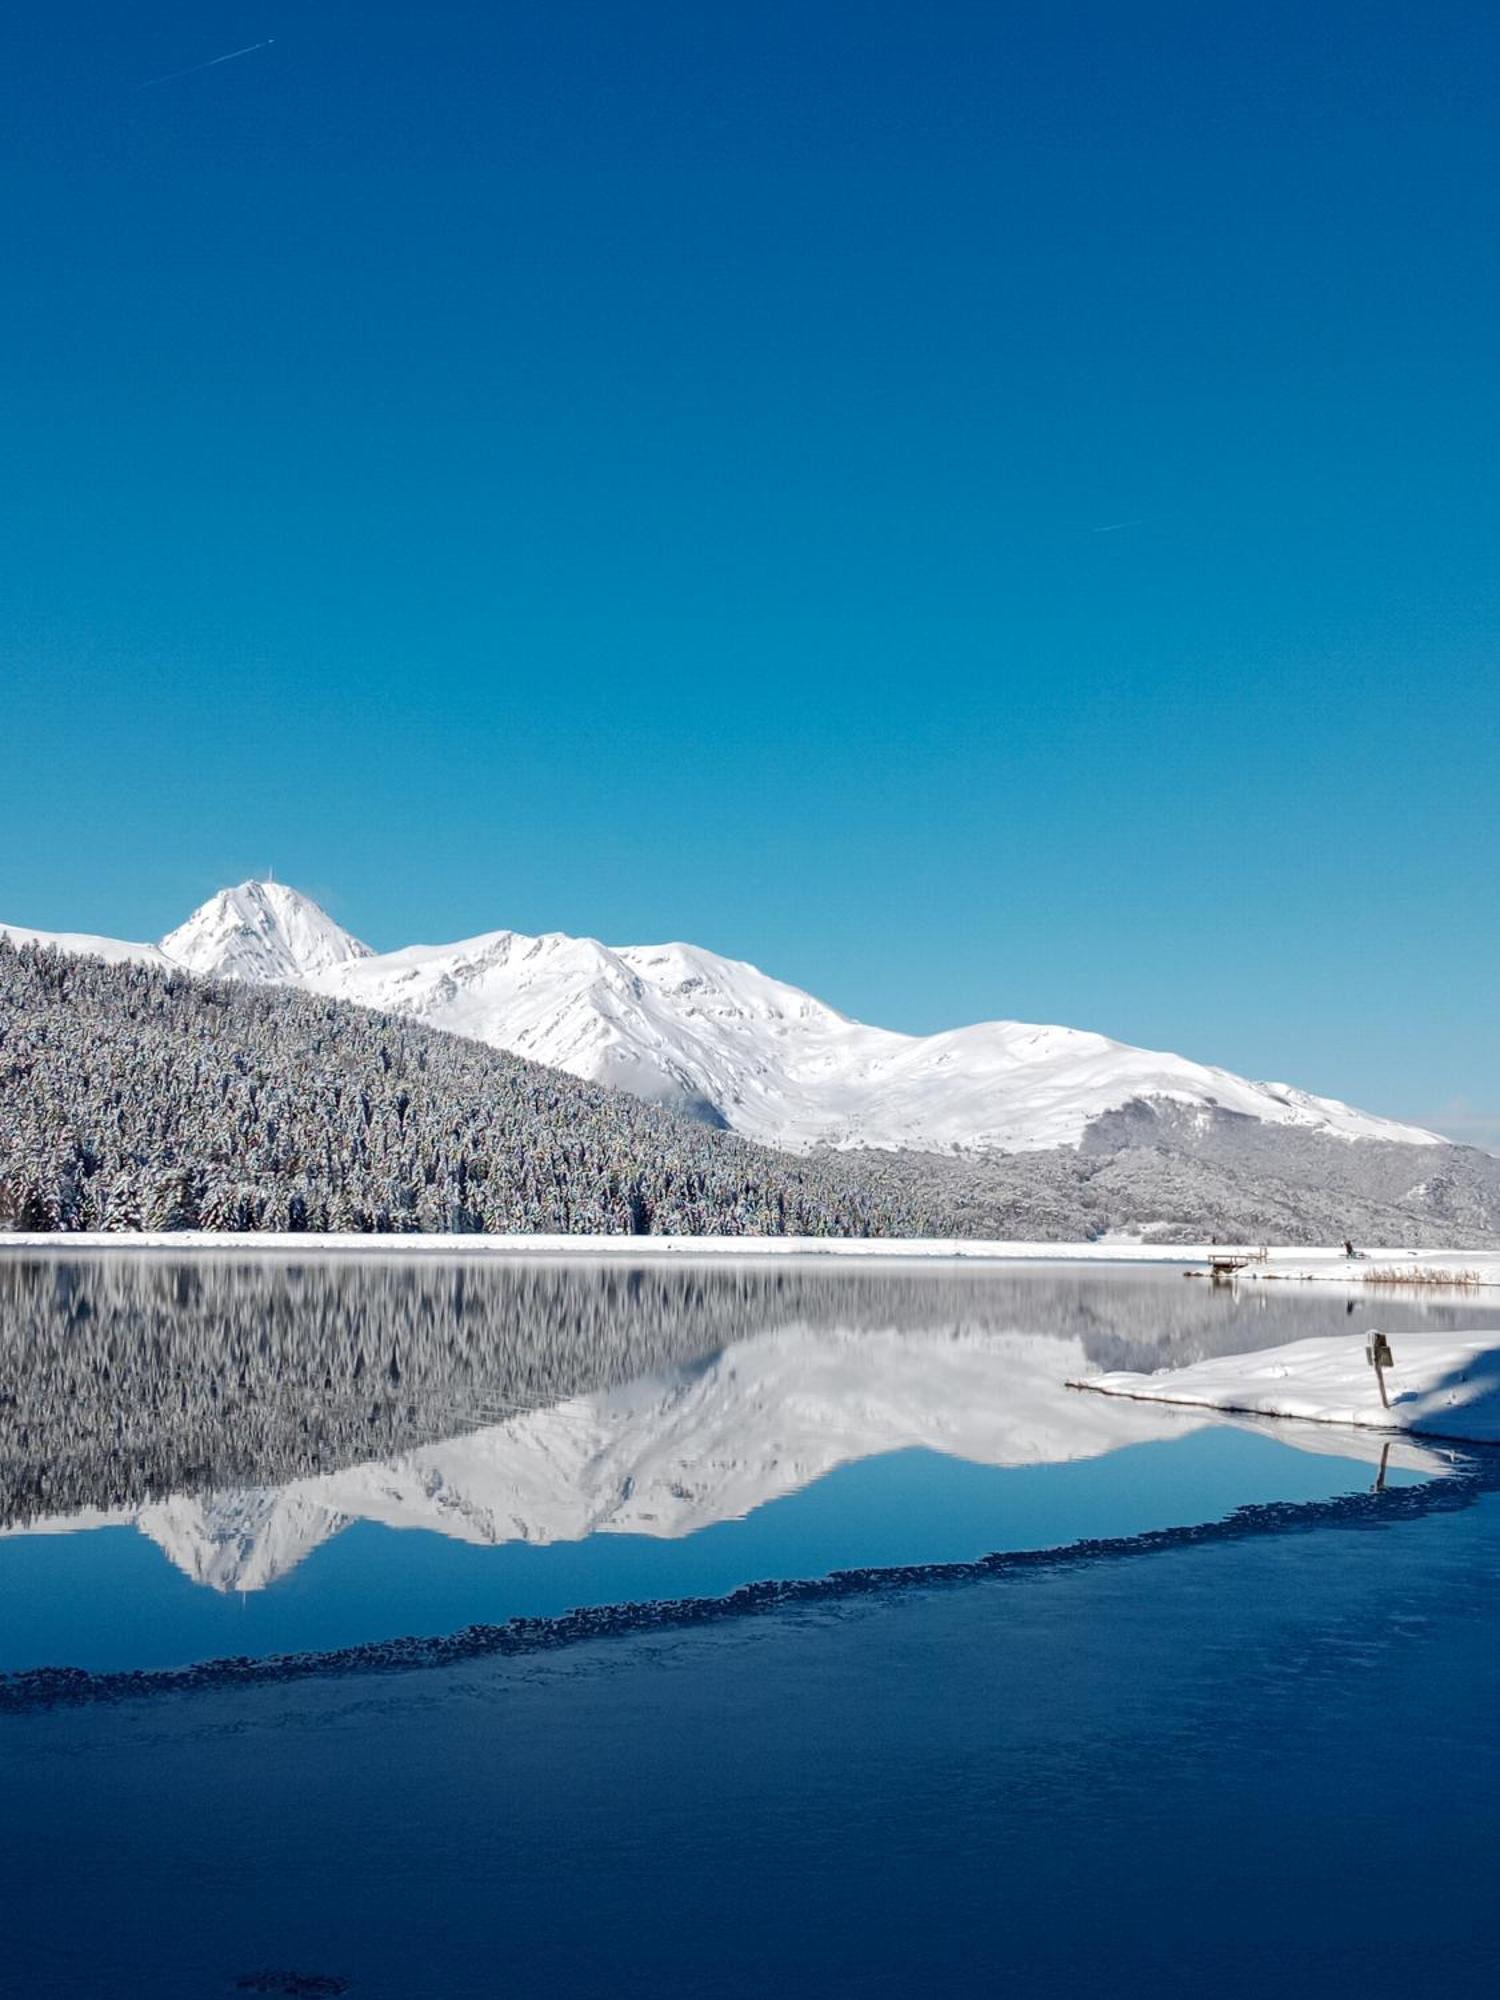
(1262, 1767)
(1219, 1713)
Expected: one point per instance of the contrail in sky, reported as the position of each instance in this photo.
(1113, 527)
(212, 63)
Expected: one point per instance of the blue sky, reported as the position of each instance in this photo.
(658, 471)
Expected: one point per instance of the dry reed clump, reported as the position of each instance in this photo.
(1424, 1274)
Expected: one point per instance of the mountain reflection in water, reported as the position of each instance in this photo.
(243, 1412)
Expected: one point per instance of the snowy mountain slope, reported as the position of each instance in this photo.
(681, 1024)
(675, 1452)
(684, 1026)
(114, 951)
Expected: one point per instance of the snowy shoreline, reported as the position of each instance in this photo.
(1441, 1385)
(1422, 1272)
(611, 1249)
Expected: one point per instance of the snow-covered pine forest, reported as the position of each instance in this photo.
(133, 1098)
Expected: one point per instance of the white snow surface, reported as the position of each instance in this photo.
(682, 1025)
(1441, 1385)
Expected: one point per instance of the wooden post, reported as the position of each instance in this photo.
(1378, 1354)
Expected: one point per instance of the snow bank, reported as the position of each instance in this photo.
(1441, 1385)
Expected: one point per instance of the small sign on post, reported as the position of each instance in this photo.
(1378, 1354)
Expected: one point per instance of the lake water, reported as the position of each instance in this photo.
(404, 1628)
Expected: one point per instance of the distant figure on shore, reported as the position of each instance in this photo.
(1349, 1249)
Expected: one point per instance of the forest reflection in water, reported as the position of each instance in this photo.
(132, 1377)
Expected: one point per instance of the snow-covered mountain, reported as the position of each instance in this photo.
(714, 1036)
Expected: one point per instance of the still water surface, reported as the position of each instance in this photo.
(1153, 1763)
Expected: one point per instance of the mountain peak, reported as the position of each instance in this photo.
(261, 932)
(715, 1037)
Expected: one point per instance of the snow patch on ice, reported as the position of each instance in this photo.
(1441, 1385)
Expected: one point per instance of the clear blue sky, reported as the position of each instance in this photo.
(653, 470)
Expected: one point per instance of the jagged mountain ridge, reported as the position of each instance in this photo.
(679, 1025)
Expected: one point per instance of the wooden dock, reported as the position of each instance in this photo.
(1223, 1265)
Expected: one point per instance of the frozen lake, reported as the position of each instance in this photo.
(468, 1628)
